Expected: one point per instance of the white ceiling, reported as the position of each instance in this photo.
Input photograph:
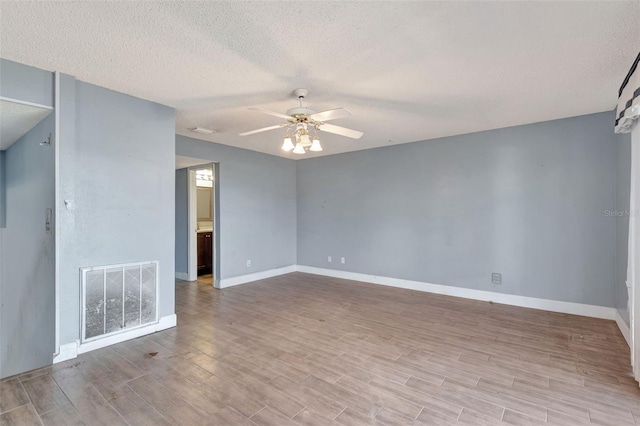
(408, 71)
(17, 119)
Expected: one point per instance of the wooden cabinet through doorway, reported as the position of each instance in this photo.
(205, 261)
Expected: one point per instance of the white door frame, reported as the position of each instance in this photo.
(633, 270)
(57, 211)
(192, 262)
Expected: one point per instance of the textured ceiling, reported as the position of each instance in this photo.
(408, 71)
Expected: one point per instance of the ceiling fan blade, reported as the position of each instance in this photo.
(342, 131)
(264, 129)
(275, 114)
(331, 114)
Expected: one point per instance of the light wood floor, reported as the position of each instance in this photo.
(307, 350)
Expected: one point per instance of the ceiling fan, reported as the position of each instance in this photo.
(302, 120)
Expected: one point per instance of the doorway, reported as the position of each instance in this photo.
(27, 240)
(203, 220)
(197, 178)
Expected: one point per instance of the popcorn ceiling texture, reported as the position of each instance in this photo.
(408, 71)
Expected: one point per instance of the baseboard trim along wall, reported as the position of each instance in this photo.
(72, 350)
(182, 276)
(506, 299)
(243, 279)
(572, 308)
(624, 328)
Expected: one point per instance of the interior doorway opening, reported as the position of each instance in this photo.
(204, 215)
(203, 246)
(27, 239)
(197, 239)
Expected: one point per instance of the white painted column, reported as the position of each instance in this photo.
(633, 264)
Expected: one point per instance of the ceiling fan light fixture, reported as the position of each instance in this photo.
(299, 149)
(315, 145)
(304, 139)
(300, 121)
(288, 144)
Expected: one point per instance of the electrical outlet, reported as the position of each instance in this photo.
(342, 260)
(329, 259)
(248, 264)
(496, 278)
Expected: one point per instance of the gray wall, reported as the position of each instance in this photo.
(25, 83)
(622, 194)
(117, 156)
(3, 201)
(525, 201)
(257, 207)
(182, 220)
(27, 287)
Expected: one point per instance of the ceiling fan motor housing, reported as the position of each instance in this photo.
(300, 112)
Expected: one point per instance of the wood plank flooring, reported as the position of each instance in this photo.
(308, 350)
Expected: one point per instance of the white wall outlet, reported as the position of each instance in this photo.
(496, 278)
(329, 259)
(248, 264)
(342, 260)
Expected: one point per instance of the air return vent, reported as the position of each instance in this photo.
(117, 298)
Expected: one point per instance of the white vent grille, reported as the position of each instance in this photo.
(116, 298)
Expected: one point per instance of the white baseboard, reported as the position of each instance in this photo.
(243, 279)
(506, 299)
(624, 328)
(67, 351)
(168, 321)
(72, 350)
(182, 276)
